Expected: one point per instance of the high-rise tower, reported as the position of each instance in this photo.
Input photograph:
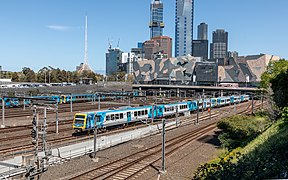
(203, 31)
(184, 27)
(219, 45)
(156, 19)
(200, 46)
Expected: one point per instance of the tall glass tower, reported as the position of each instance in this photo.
(156, 19)
(184, 27)
(203, 31)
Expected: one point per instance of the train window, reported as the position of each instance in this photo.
(146, 112)
(112, 117)
(135, 113)
(117, 116)
(108, 118)
(165, 109)
(143, 113)
(121, 116)
(97, 118)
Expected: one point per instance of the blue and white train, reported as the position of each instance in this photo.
(62, 99)
(108, 118)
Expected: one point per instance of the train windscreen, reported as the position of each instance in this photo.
(79, 119)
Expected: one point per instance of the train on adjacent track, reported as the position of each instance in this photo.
(108, 118)
(62, 99)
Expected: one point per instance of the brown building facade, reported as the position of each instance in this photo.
(158, 45)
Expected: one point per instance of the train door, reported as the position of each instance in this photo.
(160, 111)
(129, 116)
(97, 118)
(87, 122)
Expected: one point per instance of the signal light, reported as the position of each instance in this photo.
(33, 133)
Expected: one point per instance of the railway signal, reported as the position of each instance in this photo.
(34, 131)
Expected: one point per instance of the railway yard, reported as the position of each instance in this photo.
(190, 141)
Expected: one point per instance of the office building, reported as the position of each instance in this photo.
(156, 19)
(200, 48)
(184, 27)
(203, 31)
(158, 45)
(219, 45)
(113, 60)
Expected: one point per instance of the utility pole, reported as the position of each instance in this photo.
(152, 120)
(163, 171)
(234, 105)
(210, 108)
(3, 113)
(71, 103)
(44, 130)
(177, 120)
(197, 121)
(99, 102)
(24, 105)
(95, 138)
(252, 104)
(57, 119)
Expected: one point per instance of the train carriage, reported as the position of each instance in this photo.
(235, 99)
(223, 101)
(244, 97)
(109, 118)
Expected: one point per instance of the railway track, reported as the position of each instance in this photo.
(15, 148)
(15, 113)
(130, 166)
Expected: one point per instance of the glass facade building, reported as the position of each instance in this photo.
(184, 27)
(203, 31)
(156, 19)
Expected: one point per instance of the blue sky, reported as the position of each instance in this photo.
(38, 33)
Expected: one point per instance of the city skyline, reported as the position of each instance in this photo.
(37, 34)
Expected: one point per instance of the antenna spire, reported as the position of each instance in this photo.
(85, 66)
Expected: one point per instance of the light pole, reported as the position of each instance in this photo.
(163, 146)
(45, 76)
(49, 73)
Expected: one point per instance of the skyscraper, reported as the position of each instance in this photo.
(184, 27)
(156, 19)
(200, 46)
(203, 31)
(219, 45)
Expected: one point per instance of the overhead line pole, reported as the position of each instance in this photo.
(3, 113)
(163, 146)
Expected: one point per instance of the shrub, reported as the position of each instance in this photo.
(284, 115)
(239, 130)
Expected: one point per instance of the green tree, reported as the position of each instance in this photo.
(273, 70)
(15, 77)
(29, 74)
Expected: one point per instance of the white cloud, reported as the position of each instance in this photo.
(59, 27)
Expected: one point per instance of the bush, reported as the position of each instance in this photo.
(268, 158)
(239, 130)
(284, 115)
